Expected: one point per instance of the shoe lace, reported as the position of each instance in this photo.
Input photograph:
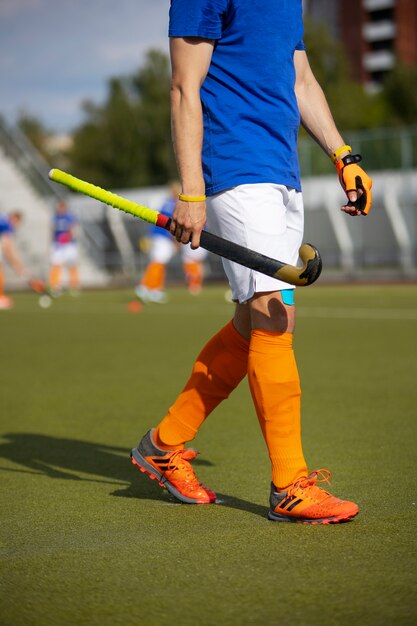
(180, 461)
(316, 476)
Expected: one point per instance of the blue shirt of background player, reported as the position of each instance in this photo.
(166, 209)
(251, 117)
(63, 224)
(6, 227)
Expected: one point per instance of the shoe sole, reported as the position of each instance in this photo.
(141, 463)
(142, 299)
(335, 519)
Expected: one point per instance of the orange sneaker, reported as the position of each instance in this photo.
(172, 469)
(306, 503)
(5, 303)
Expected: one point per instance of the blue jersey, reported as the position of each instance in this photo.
(63, 224)
(251, 117)
(6, 227)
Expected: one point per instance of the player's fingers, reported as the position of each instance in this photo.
(352, 195)
(185, 235)
(349, 209)
(176, 231)
(195, 240)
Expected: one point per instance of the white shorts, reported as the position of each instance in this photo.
(264, 217)
(64, 254)
(189, 255)
(163, 249)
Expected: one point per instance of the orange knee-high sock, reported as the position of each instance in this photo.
(218, 369)
(275, 388)
(154, 276)
(74, 278)
(55, 277)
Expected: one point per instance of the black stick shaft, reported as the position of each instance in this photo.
(239, 254)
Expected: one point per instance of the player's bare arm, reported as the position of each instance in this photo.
(190, 59)
(317, 118)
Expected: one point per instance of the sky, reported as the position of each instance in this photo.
(56, 53)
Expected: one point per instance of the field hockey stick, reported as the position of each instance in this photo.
(300, 276)
(38, 286)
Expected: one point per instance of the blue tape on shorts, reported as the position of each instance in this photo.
(288, 296)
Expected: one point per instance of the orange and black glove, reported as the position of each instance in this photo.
(354, 178)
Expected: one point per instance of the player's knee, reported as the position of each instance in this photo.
(273, 311)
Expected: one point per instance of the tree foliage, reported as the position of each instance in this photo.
(35, 131)
(126, 142)
(352, 107)
(400, 90)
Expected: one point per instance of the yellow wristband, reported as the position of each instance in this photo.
(184, 198)
(339, 151)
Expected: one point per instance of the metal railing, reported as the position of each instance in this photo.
(28, 160)
(381, 148)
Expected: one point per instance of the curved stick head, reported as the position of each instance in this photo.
(307, 273)
(312, 264)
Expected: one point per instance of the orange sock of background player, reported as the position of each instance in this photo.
(219, 368)
(74, 278)
(275, 388)
(194, 274)
(154, 276)
(2, 283)
(55, 277)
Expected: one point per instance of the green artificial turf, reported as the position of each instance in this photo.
(86, 539)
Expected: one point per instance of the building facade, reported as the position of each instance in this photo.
(375, 33)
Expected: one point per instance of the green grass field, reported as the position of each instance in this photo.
(86, 539)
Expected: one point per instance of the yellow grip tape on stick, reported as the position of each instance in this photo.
(107, 197)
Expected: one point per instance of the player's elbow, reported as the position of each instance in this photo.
(184, 93)
(175, 93)
(181, 87)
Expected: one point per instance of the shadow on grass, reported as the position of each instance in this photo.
(67, 458)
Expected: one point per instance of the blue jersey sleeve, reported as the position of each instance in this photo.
(300, 45)
(5, 226)
(197, 18)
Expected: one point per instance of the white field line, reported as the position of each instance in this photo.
(357, 313)
(159, 310)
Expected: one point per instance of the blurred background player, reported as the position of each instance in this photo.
(162, 249)
(8, 225)
(64, 250)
